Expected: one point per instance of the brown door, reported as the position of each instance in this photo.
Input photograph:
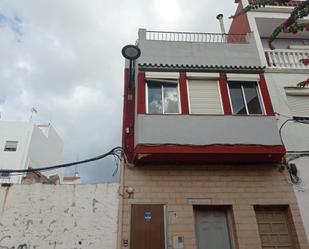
(147, 227)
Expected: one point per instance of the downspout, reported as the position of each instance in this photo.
(120, 208)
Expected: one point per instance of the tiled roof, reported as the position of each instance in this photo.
(199, 67)
(289, 4)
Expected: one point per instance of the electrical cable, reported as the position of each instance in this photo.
(115, 152)
(282, 125)
(292, 169)
(117, 164)
(281, 138)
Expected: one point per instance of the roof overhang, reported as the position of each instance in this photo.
(186, 154)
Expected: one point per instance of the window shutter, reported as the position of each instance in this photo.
(298, 100)
(204, 97)
(299, 105)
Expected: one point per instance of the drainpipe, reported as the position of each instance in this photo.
(220, 18)
(120, 207)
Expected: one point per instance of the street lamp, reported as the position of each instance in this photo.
(131, 52)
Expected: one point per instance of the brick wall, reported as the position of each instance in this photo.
(240, 187)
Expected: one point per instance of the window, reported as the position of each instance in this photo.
(163, 97)
(298, 100)
(274, 227)
(213, 228)
(245, 98)
(204, 96)
(4, 175)
(10, 146)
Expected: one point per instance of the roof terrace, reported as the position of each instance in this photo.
(195, 51)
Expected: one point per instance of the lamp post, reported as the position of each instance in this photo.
(131, 52)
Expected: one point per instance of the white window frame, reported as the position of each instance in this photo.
(244, 97)
(162, 98)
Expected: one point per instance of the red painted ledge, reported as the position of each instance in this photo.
(177, 154)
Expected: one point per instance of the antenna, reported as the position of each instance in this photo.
(33, 110)
(76, 174)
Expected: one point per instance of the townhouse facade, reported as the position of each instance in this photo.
(25, 145)
(284, 69)
(204, 166)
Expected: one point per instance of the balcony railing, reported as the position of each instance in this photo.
(286, 58)
(196, 37)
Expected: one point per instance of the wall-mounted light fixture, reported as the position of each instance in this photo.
(129, 191)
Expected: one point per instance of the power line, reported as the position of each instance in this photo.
(280, 129)
(280, 133)
(117, 151)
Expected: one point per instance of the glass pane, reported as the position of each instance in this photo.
(237, 99)
(154, 97)
(170, 92)
(252, 98)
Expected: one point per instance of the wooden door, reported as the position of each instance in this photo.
(147, 227)
(274, 228)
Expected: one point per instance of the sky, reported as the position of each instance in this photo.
(64, 59)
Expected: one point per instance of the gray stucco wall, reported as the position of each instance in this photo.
(198, 53)
(205, 130)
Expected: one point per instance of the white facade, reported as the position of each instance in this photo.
(283, 71)
(35, 146)
(45, 216)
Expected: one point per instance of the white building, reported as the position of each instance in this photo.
(284, 70)
(24, 145)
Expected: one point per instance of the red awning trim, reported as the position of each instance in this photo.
(208, 153)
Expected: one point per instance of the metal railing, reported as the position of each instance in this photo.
(286, 58)
(196, 37)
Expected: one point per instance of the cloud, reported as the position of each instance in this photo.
(12, 22)
(64, 58)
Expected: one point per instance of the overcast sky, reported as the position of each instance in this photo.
(64, 58)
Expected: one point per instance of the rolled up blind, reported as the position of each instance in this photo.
(204, 97)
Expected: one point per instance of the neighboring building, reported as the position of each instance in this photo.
(37, 177)
(284, 70)
(25, 145)
(204, 152)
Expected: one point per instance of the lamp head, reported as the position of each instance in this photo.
(131, 52)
